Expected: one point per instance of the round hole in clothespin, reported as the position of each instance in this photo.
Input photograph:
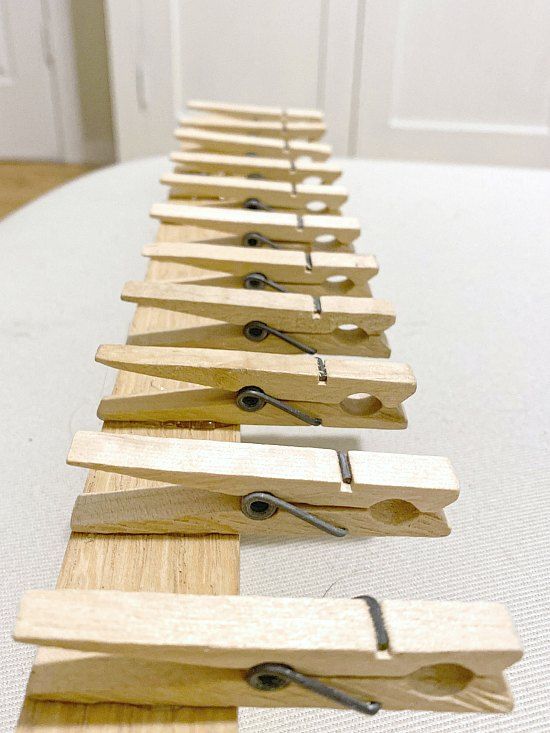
(361, 405)
(440, 680)
(394, 511)
(325, 239)
(339, 285)
(316, 207)
(349, 333)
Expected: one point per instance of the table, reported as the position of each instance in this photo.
(464, 254)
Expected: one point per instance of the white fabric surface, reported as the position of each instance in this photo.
(465, 256)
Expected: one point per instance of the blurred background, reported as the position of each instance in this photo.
(84, 83)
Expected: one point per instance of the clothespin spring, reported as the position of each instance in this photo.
(257, 281)
(258, 331)
(261, 505)
(253, 239)
(256, 205)
(270, 676)
(252, 399)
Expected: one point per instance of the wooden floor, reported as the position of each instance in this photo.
(21, 182)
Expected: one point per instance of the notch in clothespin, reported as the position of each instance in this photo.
(232, 651)
(310, 130)
(268, 147)
(255, 112)
(315, 273)
(263, 228)
(253, 320)
(258, 389)
(277, 169)
(256, 195)
(256, 489)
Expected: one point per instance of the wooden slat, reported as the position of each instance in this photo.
(207, 564)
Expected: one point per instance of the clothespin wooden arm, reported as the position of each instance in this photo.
(315, 476)
(268, 146)
(253, 111)
(318, 636)
(278, 194)
(283, 266)
(308, 130)
(278, 226)
(297, 377)
(290, 312)
(243, 165)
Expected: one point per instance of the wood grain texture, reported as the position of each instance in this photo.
(442, 655)
(287, 377)
(288, 312)
(171, 563)
(304, 474)
(283, 266)
(175, 510)
(442, 688)
(21, 181)
(231, 631)
(201, 484)
(363, 393)
(208, 332)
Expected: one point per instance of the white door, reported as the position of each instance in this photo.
(288, 53)
(27, 111)
(464, 81)
(461, 81)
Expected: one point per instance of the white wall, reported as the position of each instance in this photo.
(451, 80)
(54, 88)
(458, 80)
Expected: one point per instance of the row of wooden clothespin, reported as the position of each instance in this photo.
(260, 321)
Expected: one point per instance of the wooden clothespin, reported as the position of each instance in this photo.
(287, 129)
(277, 169)
(258, 389)
(230, 488)
(254, 111)
(259, 228)
(255, 194)
(268, 321)
(226, 651)
(269, 147)
(315, 273)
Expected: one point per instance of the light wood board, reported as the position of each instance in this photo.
(204, 564)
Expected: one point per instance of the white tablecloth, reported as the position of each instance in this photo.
(464, 254)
